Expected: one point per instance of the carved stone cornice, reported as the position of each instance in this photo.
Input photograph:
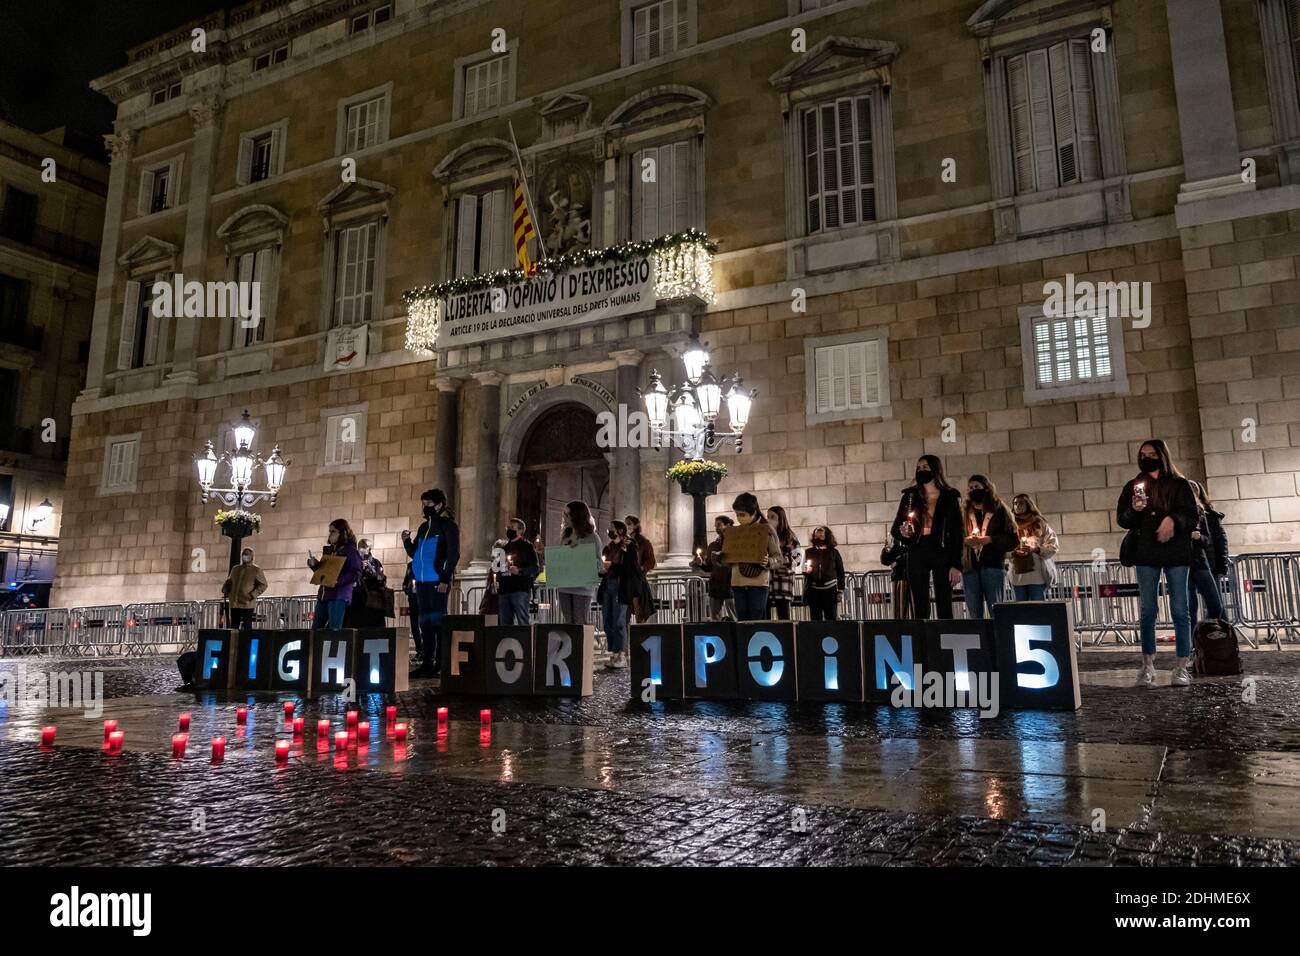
(119, 144)
(205, 111)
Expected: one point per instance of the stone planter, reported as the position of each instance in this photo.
(703, 484)
(237, 529)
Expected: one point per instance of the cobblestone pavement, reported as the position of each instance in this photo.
(1193, 776)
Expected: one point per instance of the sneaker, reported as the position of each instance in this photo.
(1147, 675)
(619, 661)
(1180, 676)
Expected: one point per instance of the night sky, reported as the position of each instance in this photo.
(50, 50)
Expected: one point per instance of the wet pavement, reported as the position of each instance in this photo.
(1155, 777)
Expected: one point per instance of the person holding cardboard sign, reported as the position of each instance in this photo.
(750, 548)
(337, 572)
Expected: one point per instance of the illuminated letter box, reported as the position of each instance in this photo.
(1036, 656)
(562, 659)
(829, 658)
(766, 668)
(460, 654)
(709, 660)
(332, 659)
(888, 648)
(288, 654)
(253, 662)
(508, 660)
(655, 653)
(382, 661)
(217, 651)
(961, 648)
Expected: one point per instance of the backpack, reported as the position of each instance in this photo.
(1215, 648)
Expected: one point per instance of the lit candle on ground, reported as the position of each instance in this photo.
(185, 723)
(115, 741)
(241, 715)
(341, 740)
(218, 749)
(485, 717)
(178, 744)
(322, 728)
(352, 739)
(109, 727)
(442, 718)
(47, 736)
(485, 737)
(399, 731)
(390, 714)
(288, 709)
(351, 719)
(299, 725)
(281, 751)
(363, 730)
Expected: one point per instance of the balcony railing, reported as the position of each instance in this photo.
(49, 241)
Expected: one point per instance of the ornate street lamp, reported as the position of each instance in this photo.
(41, 513)
(243, 464)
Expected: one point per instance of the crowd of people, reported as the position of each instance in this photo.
(939, 539)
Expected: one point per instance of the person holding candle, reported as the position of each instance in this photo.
(894, 556)
(929, 525)
(823, 571)
(579, 530)
(722, 603)
(519, 570)
(332, 601)
(780, 593)
(620, 560)
(368, 599)
(1209, 560)
(645, 550)
(243, 586)
(434, 554)
(1033, 569)
(749, 582)
(990, 535)
(1158, 511)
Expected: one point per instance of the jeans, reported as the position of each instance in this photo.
(823, 603)
(512, 608)
(433, 608)
(982, 587)
(1202, 582)
(413, 617)
(782, 608)
(241, 618)
(722, 609)
(614, 617)
(1029, 592)
(329, 614)
(751, 603)
(1148, 591)
(574, 608)
(921, 569)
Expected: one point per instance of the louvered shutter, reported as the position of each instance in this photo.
(244, 170)
(130, 320)
(332, 439)
(641, 35)
(144, 203)
(848, 161)
(1022, 145)
(1086, 144)
(683, 25)
(466, 234)
(1293, 23)
(866, 160)
(1040, 112)
(471, 90)
(681, 187)
(152, 331)
(656, 31)
(245, 273)
(1058, 60)
(830, 168)
(646, 206)
(825, 387)
(492, 232)
(130, 449)
(274, 163)
(812, 171)
(174, 182)
(667, 190)
(264, 275)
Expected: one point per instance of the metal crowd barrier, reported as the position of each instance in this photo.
(151, 628)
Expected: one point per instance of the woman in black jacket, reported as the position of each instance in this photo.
(1209, 559)
(823, 576)
(928, 523)
(1158, 509)
(990, 534)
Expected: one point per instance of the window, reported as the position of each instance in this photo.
(261, 155)
(159, 188)
(663, 205)
(18, 218)
(847, 376)
(1053, 122)
(659, 29)
(365, 123)
(278, 55)
(484, 85)
(354, 273)
(165, 93)
(13, 305)
(482, 231)
(344, 439)
(1066, 356)
(255, 266)
(121, 456)
(371, 18)
(138, 345)
(839, 167)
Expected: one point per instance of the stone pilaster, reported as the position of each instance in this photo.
(488, 447)
(625, 466)
(119, 146)
(445, 434)
(508, 494)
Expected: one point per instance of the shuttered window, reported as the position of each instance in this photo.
(354, 273)
(1293, 25)
(345, 438)
(483, 241)
(661, 206)
(365, 124)
(256, 267)
(1072, 350)
(847, 376)
(838, 163)
(259, 157)
(141, 329)
(1053, 117)
(120, 457)
(159, 188)
(659, 29)
(485, 85)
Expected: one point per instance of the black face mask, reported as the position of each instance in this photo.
(511, 534)
(430, 511)
(1149, 465)
(924, 476)
(978, 495)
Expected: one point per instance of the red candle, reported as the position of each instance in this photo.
(281, 751)
(485, 737)
(341, 740)
(109, 727)
(47, 736)
(322, 728)
(442, 718)
(390, 714)
(299, 724)
(185, 723)
(485, 718)
(178, 744)
(241, 715)
(363, 730)
(399, 731)
(288, 709)
(115, 740)
(351, 719)
(218, 749)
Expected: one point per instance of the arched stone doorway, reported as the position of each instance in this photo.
(559, 461)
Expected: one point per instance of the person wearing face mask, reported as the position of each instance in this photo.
(618, 585)
(928, 525)
(823, 571)
(579, 531)
(990, 534)
(515, 579)
(434, 553)
(749, 582)
(245, 582)
(722, 603)
(368, 598)
(1032, 569)
(332, 602)
(780, 592)
(1158, 511)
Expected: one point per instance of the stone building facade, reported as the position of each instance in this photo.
(51, 218)
(893, 185)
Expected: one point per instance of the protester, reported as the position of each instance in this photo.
(823, 571)
(413, 613)
(515, 582)
(1033, 569)
(1158, 509)
(434, 553)
(579, 530)
(332, 601)
(894, 556)
(367, 608)
(749, 582)
(780, 593)
(990, 534)
(1209, 559)
(619, 558)
(243, 585)
(722, 604)
(928, 523)
(645, 550)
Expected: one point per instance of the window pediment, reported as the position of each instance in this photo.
(150, 251)
(833, 58)
(350, 200)
(997, 16)
(253, 223)
(657, 105)
(473, 158)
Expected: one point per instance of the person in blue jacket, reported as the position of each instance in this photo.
(332, 602)
(434, 553)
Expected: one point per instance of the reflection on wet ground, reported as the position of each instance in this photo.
(1166, 775)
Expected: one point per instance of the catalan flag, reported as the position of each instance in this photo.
(523, 229)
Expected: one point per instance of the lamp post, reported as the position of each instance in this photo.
(242, 464)
(687, 416)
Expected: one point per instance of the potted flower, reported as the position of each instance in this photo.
(697, 477)
(238, 523)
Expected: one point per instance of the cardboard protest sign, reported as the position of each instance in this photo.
(573, 567)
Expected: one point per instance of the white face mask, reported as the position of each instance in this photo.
(246, 558)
